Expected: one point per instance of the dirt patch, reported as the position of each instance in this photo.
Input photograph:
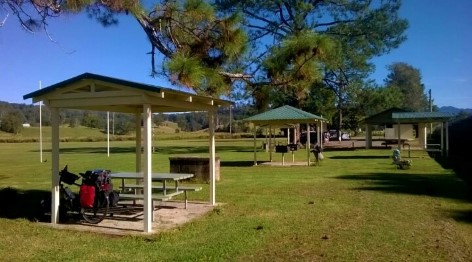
(128, 219)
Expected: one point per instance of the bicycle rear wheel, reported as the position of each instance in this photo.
(99, 210)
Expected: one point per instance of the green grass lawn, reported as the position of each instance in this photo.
(355, 206)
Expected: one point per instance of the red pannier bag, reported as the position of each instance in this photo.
(87, 196)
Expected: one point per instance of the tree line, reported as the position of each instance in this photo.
(13, 116)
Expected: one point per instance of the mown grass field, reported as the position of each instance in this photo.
(85, 134)
(355, 206)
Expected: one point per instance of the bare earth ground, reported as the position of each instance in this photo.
(129, 220)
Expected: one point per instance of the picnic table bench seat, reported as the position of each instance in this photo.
(160, 187)
(160, 197)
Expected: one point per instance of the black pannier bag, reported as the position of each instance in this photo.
(67, 177)
(113, 198)
(100, 178)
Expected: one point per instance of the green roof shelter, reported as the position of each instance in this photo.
(285, 116)
(101, 93)
(399, 117)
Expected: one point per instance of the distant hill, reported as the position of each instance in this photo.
(454, 110)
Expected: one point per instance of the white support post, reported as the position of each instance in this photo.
(255, 145)
(270, 143)
(422, 130)
(40, 129)
(138, 142)
(108, 133)
(148, 204)
(308, 143)
(211, 128)
(55, 165)
(288, 135)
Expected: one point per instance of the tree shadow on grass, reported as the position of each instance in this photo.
(443, 186)
(17, 203)
(91, 150)
(462, 215)
(163, 150)
(237, 163)
(360, 157)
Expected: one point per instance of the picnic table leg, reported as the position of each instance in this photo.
(185, 199)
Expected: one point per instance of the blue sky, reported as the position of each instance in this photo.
(439, 39)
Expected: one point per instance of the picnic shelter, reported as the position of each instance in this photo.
(286, 116)
(101, 93)
(399, 120)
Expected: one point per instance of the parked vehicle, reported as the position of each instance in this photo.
(334, 135)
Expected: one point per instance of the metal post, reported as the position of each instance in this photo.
(211, 128)
(108, 133)
(55, 165)
(147, 172)
(40, 129)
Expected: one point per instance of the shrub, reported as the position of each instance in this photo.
(12, 122)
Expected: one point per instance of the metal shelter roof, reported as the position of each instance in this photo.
(421, 117)
(284, 115)
(395, 115)
(101, 93)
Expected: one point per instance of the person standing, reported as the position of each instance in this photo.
(317, 152)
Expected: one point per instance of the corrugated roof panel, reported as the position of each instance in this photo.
(420, 115)
(284, 113)
(394, 115)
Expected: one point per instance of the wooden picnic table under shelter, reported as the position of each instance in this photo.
(101, 93)
(286, 116)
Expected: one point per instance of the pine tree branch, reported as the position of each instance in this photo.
(334, 23)
(268, 22)
(150, 31)
(235, 75)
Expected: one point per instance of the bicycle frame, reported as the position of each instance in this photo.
(69, 202)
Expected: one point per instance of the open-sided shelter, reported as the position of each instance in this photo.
(286, 116)
(399, 117)
(100, 93)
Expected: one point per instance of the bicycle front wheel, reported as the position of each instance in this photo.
(98, 212)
